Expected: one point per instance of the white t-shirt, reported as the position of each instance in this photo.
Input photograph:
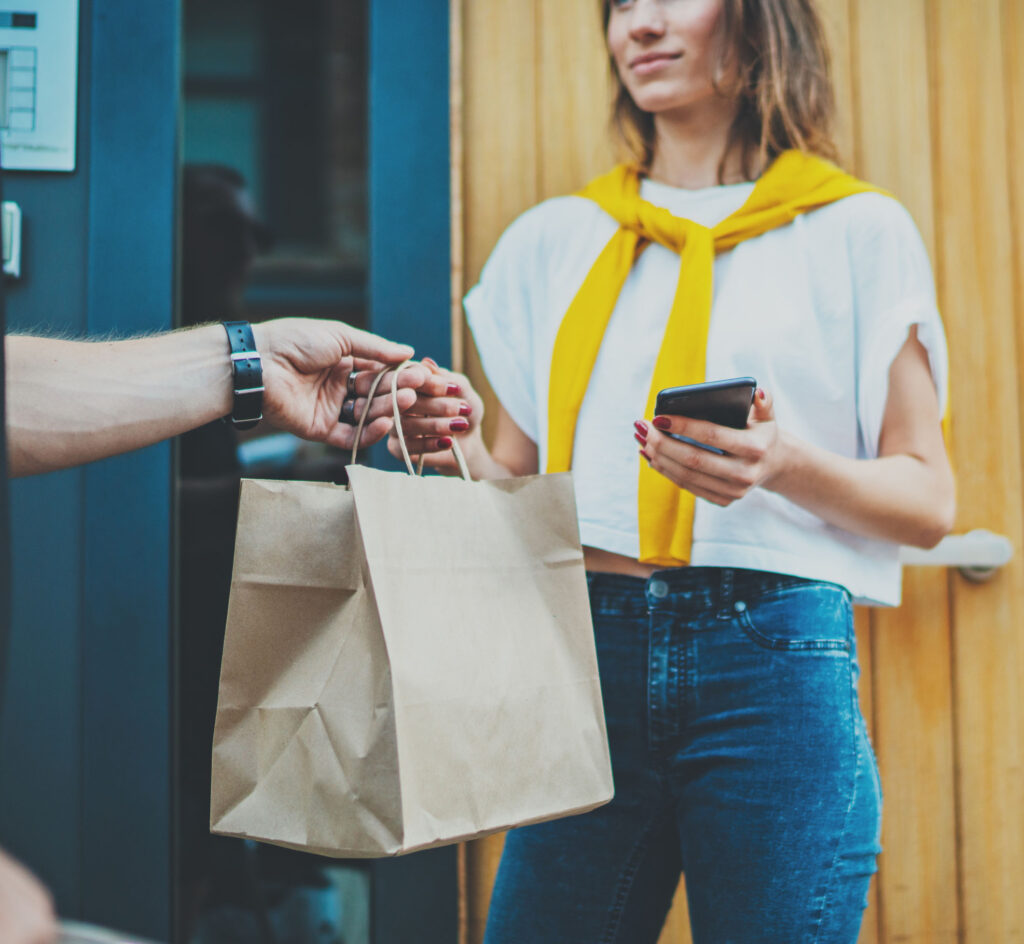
(815, 310)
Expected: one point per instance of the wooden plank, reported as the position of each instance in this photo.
(1013, 59)
(500, 106)
(574, 94)
(836, 17)
(839, 19)
(482, 858)
(976, 288)
(500, 175)
(893, 127)
(499, 181)
(456, 128)
(677, 924)
(914, 743)
(912, 688)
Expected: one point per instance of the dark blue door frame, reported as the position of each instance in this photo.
(86, 741)
(127, 623)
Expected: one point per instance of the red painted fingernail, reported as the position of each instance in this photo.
(445, 442)
(761, 395)
(453, 390)
(458, 426)
(465, 409)
(644, 454)
(641, 428)
(640, 439)
(662, 422)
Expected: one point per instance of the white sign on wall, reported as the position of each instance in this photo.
(38, 83)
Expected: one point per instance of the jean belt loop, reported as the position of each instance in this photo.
(725, 590)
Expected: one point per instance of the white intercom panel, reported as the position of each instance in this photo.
(38, 83)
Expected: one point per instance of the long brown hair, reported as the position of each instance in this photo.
(783, 84)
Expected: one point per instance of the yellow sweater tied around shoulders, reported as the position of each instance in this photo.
(794, 183)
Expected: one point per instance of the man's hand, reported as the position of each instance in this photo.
(70, 402)
(306, 365)
(26, 909)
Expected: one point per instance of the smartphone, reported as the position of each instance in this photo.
(725, 402)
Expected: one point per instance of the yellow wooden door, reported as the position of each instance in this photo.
(931, 106)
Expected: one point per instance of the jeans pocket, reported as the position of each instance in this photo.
(811, 616)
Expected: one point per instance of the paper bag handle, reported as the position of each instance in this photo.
(418, 469)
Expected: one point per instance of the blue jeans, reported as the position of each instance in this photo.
(740, 757)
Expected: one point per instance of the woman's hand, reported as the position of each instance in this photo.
(446, 408)
(750, 458)
(905, 495)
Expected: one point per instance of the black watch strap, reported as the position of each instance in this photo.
(247, 375)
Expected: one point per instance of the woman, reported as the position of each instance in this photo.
(721, 584)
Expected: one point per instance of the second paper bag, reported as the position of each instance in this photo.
(456, 691)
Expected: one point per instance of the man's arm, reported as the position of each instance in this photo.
(70, 402)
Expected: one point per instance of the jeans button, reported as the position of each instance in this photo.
(658, 589)
(739, 606)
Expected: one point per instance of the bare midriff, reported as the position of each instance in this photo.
(606, 562)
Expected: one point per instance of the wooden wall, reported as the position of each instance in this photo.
(931, 99)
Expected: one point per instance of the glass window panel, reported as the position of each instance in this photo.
(226, 131)
(224, 39)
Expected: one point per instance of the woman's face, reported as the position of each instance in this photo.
(667, 52)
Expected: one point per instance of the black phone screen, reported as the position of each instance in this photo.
(725, 402)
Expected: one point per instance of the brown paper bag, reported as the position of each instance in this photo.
(407, 664)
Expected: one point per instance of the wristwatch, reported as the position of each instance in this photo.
(247, 375)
